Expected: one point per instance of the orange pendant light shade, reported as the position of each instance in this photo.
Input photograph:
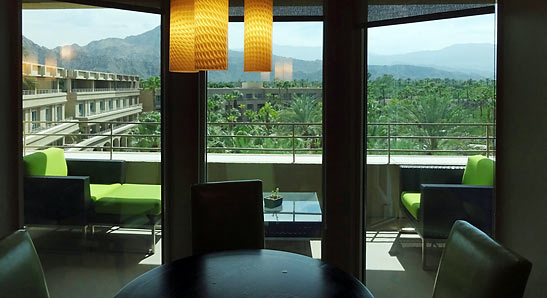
(258, 19)
(181, 36)
(211, 43)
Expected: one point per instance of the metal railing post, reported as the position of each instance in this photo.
(487, 141)
(111, 139)
(388, 143)
(293, 144)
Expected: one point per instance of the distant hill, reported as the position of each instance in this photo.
(418, 72)
(465, 58)
(140, 55)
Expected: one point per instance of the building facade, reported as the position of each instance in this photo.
(79, 103)
(253, 95)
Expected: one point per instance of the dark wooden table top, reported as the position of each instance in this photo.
(246, 273)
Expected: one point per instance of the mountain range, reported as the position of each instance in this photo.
(140, 55)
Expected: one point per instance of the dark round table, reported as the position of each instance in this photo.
(245, 273)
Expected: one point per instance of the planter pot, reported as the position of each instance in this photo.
(270, 202)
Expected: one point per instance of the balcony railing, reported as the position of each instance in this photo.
(41, 91)
(436, 138)
(103, 89)
(111, 130)
(384, 138)
(299, 138)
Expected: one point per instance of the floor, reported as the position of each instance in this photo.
(101, 265)
(394, 266)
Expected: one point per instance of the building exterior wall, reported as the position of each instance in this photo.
(254, 96)
(86, 96)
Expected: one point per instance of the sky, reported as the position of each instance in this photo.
(51, 28)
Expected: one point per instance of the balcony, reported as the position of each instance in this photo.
(290, 159)
(294, 151)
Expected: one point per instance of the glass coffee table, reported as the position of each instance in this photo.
(298, 216)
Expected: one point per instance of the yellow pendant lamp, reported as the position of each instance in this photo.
(181, 36)
(211, 39)
(199, 35)
(258, 19)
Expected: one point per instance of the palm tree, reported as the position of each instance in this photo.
(430, 108)
(304, 109)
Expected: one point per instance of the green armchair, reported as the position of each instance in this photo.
(86, 193)
(433, 198)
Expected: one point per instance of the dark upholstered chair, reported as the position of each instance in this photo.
(227, 215)
(434, 197)
(475, 266)
(21, 273)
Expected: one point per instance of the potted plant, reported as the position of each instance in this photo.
(274, 199)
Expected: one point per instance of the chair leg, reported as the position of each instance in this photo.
(153, 248)
(84, 230)
(396, 246)
(424, 254)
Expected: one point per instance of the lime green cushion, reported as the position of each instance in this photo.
(479, 171)
(411, 201)
(49, 162)
(100, 190)
(130, 199)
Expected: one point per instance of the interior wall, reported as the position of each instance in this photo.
(522, 143)
(10, 116)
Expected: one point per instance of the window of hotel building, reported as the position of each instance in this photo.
(420, 116)
(92, 107)
(48, 116)
(34, 117)
(77, 39)
(59, 113)
(81, 111)
(245, 142)
(158, 100)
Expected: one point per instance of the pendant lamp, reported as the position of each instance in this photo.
(181, 36)
(258, 22)
(211, 34)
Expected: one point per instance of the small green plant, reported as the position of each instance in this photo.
(275, 193)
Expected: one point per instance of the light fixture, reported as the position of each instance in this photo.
(211, 31)
(258, 22)
(181, 36)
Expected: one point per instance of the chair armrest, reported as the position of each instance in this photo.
(442, 204)
(62, 200)
(411, 177)
(99, 171)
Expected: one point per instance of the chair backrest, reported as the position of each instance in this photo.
(21, 273)
(479, 171)
(227, 215)
(474, 265)
(48, 162)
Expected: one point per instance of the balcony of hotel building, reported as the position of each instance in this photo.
(44, 101)
(64, 107)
